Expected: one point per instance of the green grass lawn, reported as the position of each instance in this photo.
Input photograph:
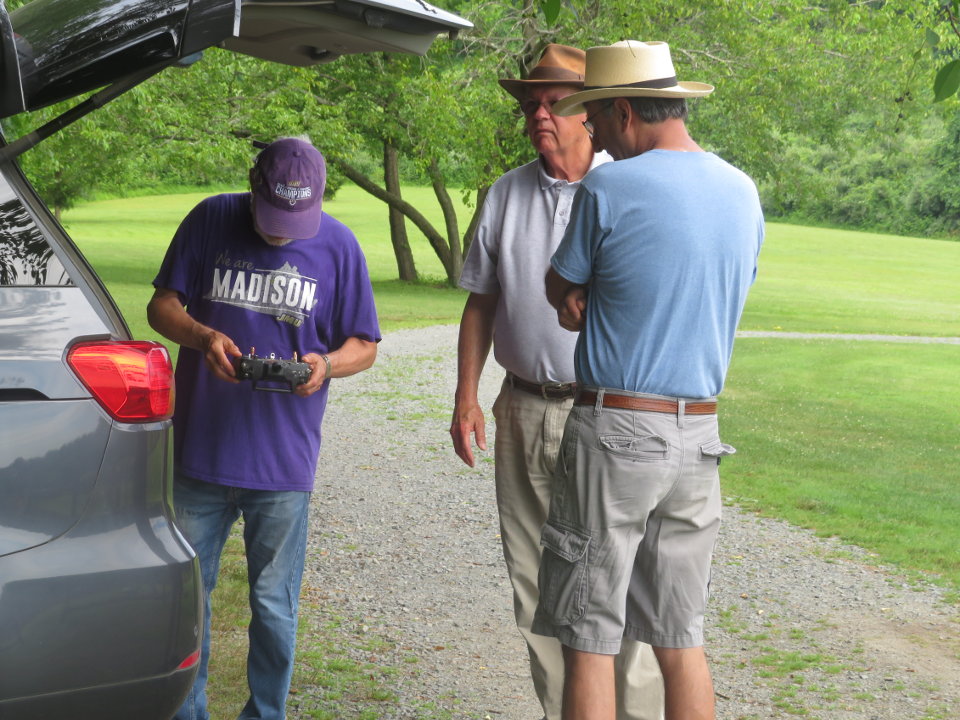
(852, 439)
(820, 280)
(810, 280)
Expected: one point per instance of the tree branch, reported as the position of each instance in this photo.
(416, 217)
(449, 213)
(474, 219)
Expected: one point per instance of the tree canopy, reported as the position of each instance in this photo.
(789, 74)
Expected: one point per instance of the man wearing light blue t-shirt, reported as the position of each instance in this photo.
(653, 271)
(523, 218)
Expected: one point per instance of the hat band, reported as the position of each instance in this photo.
(554, 73)
(659, 83)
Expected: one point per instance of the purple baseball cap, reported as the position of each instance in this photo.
(287, 181)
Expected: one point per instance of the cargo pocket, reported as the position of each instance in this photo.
(563, 574)
(716, 450)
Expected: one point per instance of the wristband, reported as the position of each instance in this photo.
(326, 375)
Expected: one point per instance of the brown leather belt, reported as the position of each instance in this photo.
(627, 402)
(548, 391)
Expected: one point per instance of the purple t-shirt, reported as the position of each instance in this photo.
(307, 296)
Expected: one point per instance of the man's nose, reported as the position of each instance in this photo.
(542, 111)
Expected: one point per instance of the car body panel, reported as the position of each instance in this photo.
(108, 588)
(118, 701)
(100, 594)
(47, 477)
(37, 324)
(113, 600)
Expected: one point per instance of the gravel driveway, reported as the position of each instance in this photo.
(405, 549)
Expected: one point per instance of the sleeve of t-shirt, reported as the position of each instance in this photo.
(761, 230)
(356, 311)
(479, 273)
(573, 259)
(181, 267)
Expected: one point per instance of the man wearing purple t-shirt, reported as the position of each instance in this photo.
(265, 270)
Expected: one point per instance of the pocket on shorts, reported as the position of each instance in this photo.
(563, 573)
(636, 447)
(716, 450)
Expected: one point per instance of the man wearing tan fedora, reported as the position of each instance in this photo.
(653, 271)
(521, 223)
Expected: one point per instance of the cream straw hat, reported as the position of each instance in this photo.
(629, 68)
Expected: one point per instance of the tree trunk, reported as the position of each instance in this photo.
(436, 240)
(475, 219)
(398, 227)
(450, 221)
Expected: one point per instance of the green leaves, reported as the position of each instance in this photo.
(779, 68)
(551, 10)
(947, 81)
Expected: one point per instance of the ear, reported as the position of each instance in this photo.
(623, 111)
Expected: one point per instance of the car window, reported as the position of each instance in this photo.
(58, 50)
(26, 257)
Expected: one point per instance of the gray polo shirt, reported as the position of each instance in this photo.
(521, 224)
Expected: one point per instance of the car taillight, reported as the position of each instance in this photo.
(191, 660)
(132, 380)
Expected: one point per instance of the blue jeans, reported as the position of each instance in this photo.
(275, 538)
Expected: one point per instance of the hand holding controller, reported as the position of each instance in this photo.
(273, 370)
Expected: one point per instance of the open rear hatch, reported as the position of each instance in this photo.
(53, 50)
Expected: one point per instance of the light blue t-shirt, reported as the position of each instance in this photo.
(667, 243)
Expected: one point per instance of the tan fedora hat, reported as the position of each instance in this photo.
(558, 65)
(629, 68)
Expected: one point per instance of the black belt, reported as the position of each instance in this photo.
(548, 391)
(628, 402)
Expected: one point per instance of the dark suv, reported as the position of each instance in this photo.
(99, 592)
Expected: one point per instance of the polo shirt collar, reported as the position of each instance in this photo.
(547, 182)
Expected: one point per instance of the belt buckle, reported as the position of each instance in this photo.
(547, 387)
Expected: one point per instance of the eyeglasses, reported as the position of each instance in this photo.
(530, 107)
(588, 125)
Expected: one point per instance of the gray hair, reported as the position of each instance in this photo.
(653, 110)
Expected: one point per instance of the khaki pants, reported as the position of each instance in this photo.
(529, 430)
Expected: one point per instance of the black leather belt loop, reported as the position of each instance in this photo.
(548, 391)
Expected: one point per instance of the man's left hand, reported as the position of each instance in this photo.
(571, 312)
(318, 371)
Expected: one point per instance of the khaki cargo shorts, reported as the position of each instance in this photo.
(633, 522)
